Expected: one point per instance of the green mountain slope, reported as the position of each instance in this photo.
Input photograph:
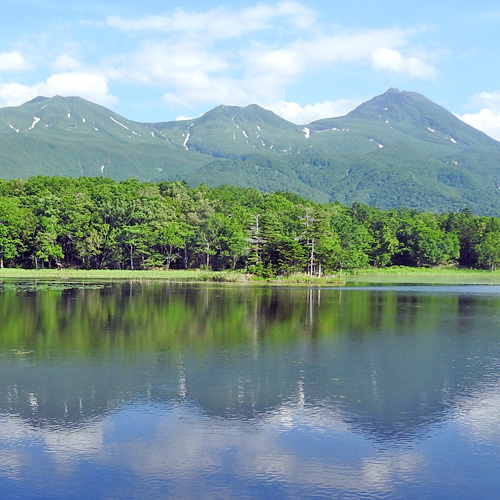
(397, 149)
(232, 132)
(73, 137)
(416, 116)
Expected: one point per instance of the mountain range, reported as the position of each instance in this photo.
(398, 149)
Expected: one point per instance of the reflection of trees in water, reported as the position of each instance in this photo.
(388, 362)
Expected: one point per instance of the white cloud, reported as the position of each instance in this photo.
(193, 67)
(87, 85)
(272, 69)
(487, 119)
(12, 61)
(355, 46)
(392, 60)
(201, 88)
(167, 63)
(489, 99)
(13, 94)
(302, 115)
(191, 71)
(219, 23)
(302, 55)
(223, 55)
(66, 63)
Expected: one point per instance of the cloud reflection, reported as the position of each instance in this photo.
(478, 417)
(184, 447)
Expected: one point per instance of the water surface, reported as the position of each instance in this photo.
(137, 390)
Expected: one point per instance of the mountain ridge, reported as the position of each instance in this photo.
(398, 148)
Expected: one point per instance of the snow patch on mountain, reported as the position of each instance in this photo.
(307, 132)
(124, 126)
(188, 135)
(13, 128)
(35, 121)
(121, 124)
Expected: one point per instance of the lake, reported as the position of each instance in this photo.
(163, 390)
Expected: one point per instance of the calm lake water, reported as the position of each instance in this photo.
(130, 390)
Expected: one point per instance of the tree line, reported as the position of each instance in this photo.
(97, 223)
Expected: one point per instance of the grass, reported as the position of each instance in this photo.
(439, 275)
(306, 279)
(373, 275)
(63, 274)
(191, 275)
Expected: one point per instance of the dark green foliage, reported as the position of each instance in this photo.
(97, 223)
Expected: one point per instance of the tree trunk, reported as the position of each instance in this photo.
(131, 257)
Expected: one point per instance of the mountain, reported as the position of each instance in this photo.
(397, 149)
(69, 136)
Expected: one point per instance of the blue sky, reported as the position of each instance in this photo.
(160, 60)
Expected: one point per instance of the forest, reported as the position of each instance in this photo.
(98, 223)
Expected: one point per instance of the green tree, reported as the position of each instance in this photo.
(424, 242)
(470, 230)
(488, 250)
(13, 223)
(355, 239)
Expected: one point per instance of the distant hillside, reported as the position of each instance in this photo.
(397, 149)
(69, 136)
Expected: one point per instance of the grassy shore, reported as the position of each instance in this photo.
(372, 275)
(63, 274)
(190, 275)
(421, 275)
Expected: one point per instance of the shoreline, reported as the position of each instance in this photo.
(386, 275)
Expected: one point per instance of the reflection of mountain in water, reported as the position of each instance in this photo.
(388, 362)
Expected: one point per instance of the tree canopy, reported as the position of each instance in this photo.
(97, 223)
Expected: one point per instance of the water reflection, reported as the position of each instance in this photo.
(217, 391)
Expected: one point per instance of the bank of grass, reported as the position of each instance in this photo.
(105, 274)
(190, 275)
(452, 275)
(438, 275)
(306, 279)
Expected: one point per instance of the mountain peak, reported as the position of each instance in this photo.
(406, 102)
(40, 98)
(251, 113)
(416, 115)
